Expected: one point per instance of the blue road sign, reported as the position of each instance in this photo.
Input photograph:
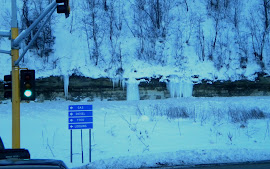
(80, 113)
(80, 126)
(80, 107)
(80, 120)
(80, 117)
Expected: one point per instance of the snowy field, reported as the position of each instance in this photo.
(132, 134)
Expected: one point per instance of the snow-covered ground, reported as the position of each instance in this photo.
(132, 134)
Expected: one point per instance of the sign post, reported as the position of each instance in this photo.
(90, 146)
(80, 117)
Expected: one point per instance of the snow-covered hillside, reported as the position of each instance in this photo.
(214, 39)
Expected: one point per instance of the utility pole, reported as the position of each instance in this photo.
(15, 79)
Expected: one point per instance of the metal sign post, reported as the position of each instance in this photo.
(80, 117)
(71, 146)
(90, 146)
(82, 145)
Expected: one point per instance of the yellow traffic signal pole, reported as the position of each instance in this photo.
(15, 96)
(15, 43)
(15, 80)
(16, 39)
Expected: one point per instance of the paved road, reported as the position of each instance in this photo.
(246, 165)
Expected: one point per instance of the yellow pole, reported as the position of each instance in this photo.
(15, 94)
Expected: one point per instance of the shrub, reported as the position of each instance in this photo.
(238, 115)
(177, 112)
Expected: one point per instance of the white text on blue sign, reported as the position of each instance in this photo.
(80, 126)
(80, 107)
(80, 117)
(80, 113)
(81, 120)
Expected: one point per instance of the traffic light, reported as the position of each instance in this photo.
(64, 8)
(7, 87)
(28, 85)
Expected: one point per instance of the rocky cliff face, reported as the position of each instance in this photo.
(104, 89)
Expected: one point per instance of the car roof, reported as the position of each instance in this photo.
(32, 163)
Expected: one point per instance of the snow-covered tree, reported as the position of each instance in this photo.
(43, 45)
(93, 28)
(151, 20)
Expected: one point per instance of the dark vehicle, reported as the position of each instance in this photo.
(20, 159)
(32, 164)
(1, 144)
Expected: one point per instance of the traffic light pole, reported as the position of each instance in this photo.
(15, 80)
(16, 39)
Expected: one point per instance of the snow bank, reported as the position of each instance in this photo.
(183, 157)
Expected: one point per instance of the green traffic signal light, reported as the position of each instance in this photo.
(28, 93)
(27, 85)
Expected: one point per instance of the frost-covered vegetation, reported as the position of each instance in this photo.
(209, 39)
(204, 112)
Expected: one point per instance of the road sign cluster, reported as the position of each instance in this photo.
(80, 117)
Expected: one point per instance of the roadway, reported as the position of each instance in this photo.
(245, 165)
